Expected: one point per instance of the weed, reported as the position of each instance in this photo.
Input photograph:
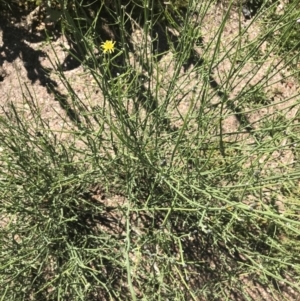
(177, 180)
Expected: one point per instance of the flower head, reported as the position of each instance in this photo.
(108, 46)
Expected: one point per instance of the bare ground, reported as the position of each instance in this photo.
(26, 68)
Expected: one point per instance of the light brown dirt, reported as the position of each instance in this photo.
(22, 78)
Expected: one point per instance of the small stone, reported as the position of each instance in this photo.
(246, 12)
(3, 74)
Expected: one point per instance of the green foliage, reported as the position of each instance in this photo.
(287, 36)
(143, 193)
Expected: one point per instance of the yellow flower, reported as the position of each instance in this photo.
(108, 46)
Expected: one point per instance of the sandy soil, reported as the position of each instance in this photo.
(28, 68)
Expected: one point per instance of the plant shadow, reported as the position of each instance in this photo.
(16, 39)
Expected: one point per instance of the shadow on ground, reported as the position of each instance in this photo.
(16, 40)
